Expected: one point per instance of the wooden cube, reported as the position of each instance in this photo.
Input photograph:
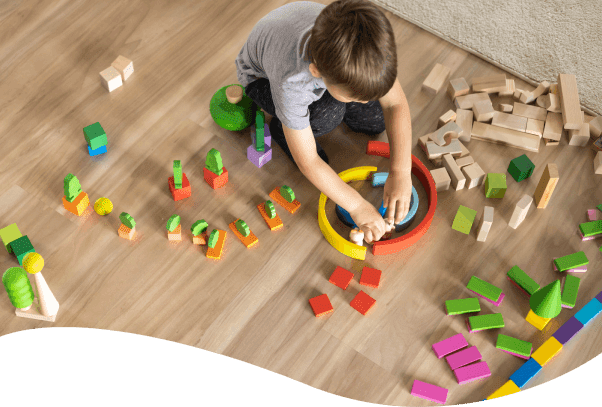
(441, 178)
(510, 88)
(126, 232)
(474, 174)
(553, 127)
(579, 137)
(124, 66)
(535, 127)
(457, 87)
(176, 235)
(181, 193)
(598, 163)
(506, 108)
(435, 80)
(111, 79)
(483, 111)
(200, 239)
(450, 115)
(490, 83)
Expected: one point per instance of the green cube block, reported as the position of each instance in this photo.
(589, 229)
(523, 280)
(464, 219)
(8, 235)
(521, 168)
(21, 247)
(513, 345)
(495, 185)
(488, 321)
(571, 261)
(95, 136)
(462, 306)
(570, 290)
(484, 288)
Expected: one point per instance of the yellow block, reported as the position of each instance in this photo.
(537, 321)
(508, 388)
(547, 351)
(33, 263)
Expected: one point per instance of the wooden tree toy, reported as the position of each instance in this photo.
(49, 306)
(18, 287)
(199, 232)
(269, 215)
(75, 200)
(216, 175)
(127, 230)
(285, 197)
(96, 138)
(242, 231)
(546, 303)
(179, 186)
(174, 229)
(231, 109)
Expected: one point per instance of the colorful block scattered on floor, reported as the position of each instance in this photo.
(215, 174)
(463, 357)
(514, 346)
(363, 303)
(126, 232)
(290, 206)
(449, 345)
(571, 261)
(321, 305)
(486, 290)
(495, 185)
(341, 277)
(21, 247)
(568, 330)
(508, 388)
(214, 251)
(590, 230)
(249, 241)
(260, 158)
(9, 234)
(370, 277)
(479, 323)
(547, 351)
(470, 373)
(180, 193)
(464, 219)
(98, 151)
(462, 306)
(522, 280)
(379, 179)
(570, 291)
(429, 392)
(589, 311)
(537, 321)
(96, 137)
(521, 168)
(526, 372)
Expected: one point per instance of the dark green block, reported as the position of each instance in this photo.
(95, 136)
(484, 288)
(462, 306)
(495, 185)
(488, 321)
(570, 290)
(571, 261)
(259, 131)
(510, 344)
(21, 247)
(523, 280)
(521, 168)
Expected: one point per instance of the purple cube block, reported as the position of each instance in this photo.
(567, 330)
(599, 296)
(257, 158)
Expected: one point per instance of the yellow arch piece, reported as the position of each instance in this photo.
(342, 245)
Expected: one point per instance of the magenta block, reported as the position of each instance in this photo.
(496, 303)
(473, 372)
(581, 269)
(585, 239)
(517, 355)
(519, 287)
(449, 345)
(464, 357)
(592, 215)
(429, 392)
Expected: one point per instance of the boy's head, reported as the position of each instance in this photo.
(352, 48)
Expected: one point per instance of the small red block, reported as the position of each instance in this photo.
(181, 193)
(370, 277)
(321, 305)
(363, 302)
(216, 181)
(341, 277)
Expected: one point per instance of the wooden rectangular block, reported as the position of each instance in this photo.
(289, 206)
(531, 112)
(483, 111)
(464, 161)
(485, 224)
(441, 178)
(580, 137)
(535, 127)
(447, 117)
(457, 178)
(216, 252)
(490, 83)
(248, 241)
(552, 103)
(505, 108)
(467, 101)
(435, 151)
(176, 235)
(273, 224)
(598, 163)
(546, 186)
(595, 127)
(475, 175)
(435, 80)
(445, 134)
(553, 127)
(520, 211)
(457, 87)
(500, 135)
(569, 101)
(509, 121)
(543, 87)
(510, 88)
(464, 152)
(464, 119)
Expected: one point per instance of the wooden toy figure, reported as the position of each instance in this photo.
(215, 173)
(174, 229)
(127, 230)
(75, 200)
(231, 109)
(49, 306)
(199, 232)
(179, 186)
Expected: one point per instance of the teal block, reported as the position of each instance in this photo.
(589, 311)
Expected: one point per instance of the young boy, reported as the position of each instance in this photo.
(312, 66)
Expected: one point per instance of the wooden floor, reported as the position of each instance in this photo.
(253, 304)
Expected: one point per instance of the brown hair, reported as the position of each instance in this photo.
(353, 46)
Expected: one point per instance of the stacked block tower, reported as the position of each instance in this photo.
(96, 139)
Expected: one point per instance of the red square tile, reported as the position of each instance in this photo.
(321, 305)
(341, 277)
(363, 302)
(370, 277)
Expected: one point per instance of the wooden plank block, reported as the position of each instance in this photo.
(475, 175)
(579, 137)
(532, 112)
(435, 151)
(464, 161)
(569, 101)
(457, 87)
(483, 111)
(441, 178)
(510, 88)
(435, 80)
(506, 108)
(447, 117)
(528, 97)
(464, 119)
(429, 392)
(553, 127)
(466, 101)
(595, 127)
(485, 224)
(457, 178)
(552, 103)
(520, 211)
(248, 241)
(500, 135)
(546, 186)
(289, 206)
(509, 121)
(598, 163)
(490, 83)
(451, 130)
(535, 127)
(216, 252)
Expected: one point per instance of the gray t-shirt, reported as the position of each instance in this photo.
(277, 50)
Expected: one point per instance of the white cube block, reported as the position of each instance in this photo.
(124, 65)
(111, 79)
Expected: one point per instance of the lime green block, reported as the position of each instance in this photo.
(547, 302)
(570, 290)
(18, 287)
(571, 261)
(233, 117)
(21, 247)
(8, 235)
(591, 228)
(214, 162)
(177, 174)
(173, 222)
(199, 227)
(287, 193)
(484, 288)
(269, 209)
(495, 185)
(462, 306)
(71, 187)
(464, 219)
(127, 220)
(95, 136)
(488, 321)
(521, 278)
(213, 238)
(242, 228)
(510, 344)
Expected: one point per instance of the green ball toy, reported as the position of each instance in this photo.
(232, 116)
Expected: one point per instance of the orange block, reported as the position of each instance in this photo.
(273, 224)
(176, 235)
(248, 241)
(126, 232)
(216, 252)
(78, 205)
(289, 206)
(216, 181)
(200, 239)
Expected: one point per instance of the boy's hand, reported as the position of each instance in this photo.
(369, 220)
(397, 196)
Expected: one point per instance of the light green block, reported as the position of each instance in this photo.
(487, 321)
(464, 219)
(571, 261)
(495, 185)
(8, 235)
(570, 291)
(462, 306)
(510, 344)
(484, 288)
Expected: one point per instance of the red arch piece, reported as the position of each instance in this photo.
(381, 149)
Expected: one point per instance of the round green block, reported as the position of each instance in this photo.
(18, 287)
(242, 227)
(269, 209)
(287, 193)
(229, 116)
(213, 237)
(127, 220)
(199, 227)
(173, 222)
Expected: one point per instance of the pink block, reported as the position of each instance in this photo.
(429, 392)
(566, 306)
(517, 355)
(592, 215)
(472, 372)
(518, 286)
(585, 239)
(464, 357)
(581, 269)
(496, 303)
(449, 345)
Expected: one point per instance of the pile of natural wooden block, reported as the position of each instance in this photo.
(515, 117)
(119, 71)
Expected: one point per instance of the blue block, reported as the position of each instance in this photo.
(589, 311)
(411, 213)
(525, 373)
(100, 150)
(379, 179)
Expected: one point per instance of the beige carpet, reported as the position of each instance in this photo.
(533, 39)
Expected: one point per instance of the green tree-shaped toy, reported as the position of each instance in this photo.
(259, 131)
(173, 222)
(214, 162)
(127, 220)
(242, 227)
(547, 302)
(270, 209)
(213, 238)
(199, 227)
(232, 116)
(18, 287)
(177, 174)
(72, 187)
(287, 193)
